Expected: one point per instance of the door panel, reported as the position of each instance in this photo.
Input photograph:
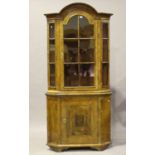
(79, 120)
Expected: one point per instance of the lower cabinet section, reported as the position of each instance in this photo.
(78, 121)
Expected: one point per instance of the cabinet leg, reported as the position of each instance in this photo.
(58, 149)
(100, 148)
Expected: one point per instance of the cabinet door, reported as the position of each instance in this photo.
(79, 54)
(79, 120)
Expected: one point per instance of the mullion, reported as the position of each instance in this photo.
(79, 49)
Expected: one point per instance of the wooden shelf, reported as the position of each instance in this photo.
(67, 63)
(105, 62)
(51, 38)
(78, 38)
(52, 63)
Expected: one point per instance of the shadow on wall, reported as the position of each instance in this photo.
(118, 108)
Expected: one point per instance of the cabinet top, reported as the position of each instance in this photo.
(74, 7)
(62, 93)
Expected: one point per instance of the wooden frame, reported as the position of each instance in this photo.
(86, 99)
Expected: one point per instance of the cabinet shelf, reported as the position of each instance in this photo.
(78, 38)
(51, 38)
(78, 86)
(53, 63)
(105, 62)
(79, 63)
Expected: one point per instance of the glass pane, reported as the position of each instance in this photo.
(71, 75)
(71, 50)
(105, 30)
(70, 30)
(86, 29)
(86, 74)
(51, 30)
(105, 49)
(52, 51)
(87, 50)
(52, 75)
(105, 74)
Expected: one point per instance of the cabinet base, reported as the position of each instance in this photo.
(62, 147)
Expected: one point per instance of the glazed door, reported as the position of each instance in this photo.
(79, 120)
(79, 53)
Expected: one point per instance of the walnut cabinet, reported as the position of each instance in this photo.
(78, 96)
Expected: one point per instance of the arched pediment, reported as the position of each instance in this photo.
(77, 7)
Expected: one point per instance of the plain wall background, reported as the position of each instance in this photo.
(38, 63)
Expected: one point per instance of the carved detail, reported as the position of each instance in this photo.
(79, 120)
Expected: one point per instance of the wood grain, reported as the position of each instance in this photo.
(78, 116)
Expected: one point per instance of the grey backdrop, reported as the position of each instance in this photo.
(38, 71)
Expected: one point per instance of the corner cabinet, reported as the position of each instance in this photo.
(78, 96)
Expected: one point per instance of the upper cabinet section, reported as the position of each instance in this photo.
(78, 48)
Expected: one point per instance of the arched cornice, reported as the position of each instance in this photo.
(75, 7)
